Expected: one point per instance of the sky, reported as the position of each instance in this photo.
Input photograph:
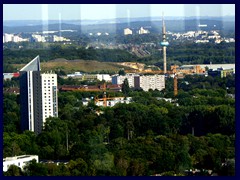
(111, 11)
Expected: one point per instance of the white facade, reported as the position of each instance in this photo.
(12, 38)
(38, 38)
(49, 96)
(145, 82)
(30, 100)
(114, 101)
(19, 161)
(116, 79)
(7, 37)
(58, 38)
(143, 31)
(152, 82)
(127, 31)
(105, 77)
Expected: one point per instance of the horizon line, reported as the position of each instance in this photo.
(119, 18)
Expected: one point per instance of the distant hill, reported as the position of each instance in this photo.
(77, 65)
(15, 23)
(117, 25)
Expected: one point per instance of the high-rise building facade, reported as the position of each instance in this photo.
(152, 82)
(145, 82)
(118, 79)
(38, 95)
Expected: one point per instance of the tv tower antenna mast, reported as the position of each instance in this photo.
(164, 44)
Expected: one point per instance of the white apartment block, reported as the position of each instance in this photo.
(116, 79)
(143, 31)
(152, 82)
(7, 37)
(12, 38)
(49, 96)
(105, 77)
(38, 38)
(19, 161)
(145, 82)
(58, 38)
(127, 31)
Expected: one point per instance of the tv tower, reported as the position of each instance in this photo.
(164, 44)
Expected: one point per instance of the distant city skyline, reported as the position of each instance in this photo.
(111, 11)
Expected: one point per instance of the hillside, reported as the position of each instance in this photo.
(77, 65)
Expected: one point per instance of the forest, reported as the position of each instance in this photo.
(184, 53)
(146, 137)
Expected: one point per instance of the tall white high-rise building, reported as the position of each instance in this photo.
(49, 95)
(38, 93)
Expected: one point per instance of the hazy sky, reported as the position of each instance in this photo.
(109, 11)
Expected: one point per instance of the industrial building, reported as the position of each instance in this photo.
(19, 161)
(38, 96)
(201, 68)
(220, 72)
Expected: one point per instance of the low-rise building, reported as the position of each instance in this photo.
(91, 77)
(10, 75)
(110, 102)
(113, 101)
(19, 161)
(220, 72)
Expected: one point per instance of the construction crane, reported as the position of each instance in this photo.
(104, 95)
(105, 98)
(175, 88)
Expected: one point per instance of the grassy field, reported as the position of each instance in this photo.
(77, 65)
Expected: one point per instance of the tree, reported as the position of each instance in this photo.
(35, 169)
(121, 72)
(13, 170)
(125, 87)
